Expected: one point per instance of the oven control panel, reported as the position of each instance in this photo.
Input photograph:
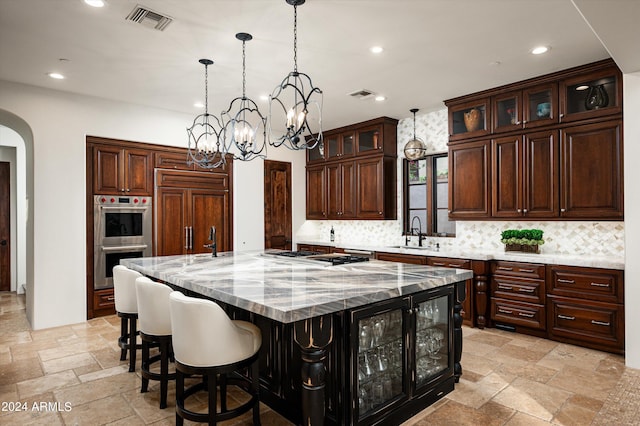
(114, 200)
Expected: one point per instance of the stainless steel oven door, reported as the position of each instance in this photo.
(106, 257)
(116, 225)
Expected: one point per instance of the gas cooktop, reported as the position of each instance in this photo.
(331, 258)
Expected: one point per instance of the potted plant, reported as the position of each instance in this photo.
(526, 240)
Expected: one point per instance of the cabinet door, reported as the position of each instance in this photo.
(379, 358)
(540, 169)
(348, 185)
(591, 171)
(107, 171)
(469, 119)
(507, 112)
(138, 172)
(210, 208)
(316, 192)
(370, 189)
(171, 221)
(506, 177)
(402, 258)
(332, 147)
(592, 95)
(469, 180)
(369, 140)
(172, 160)
(540, 106)
(334, 191)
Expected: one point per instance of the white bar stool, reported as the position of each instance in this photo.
(124, 289)
(155, 331)
(207, 342)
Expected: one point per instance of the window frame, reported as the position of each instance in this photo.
(431, 191)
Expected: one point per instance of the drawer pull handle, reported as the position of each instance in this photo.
(600, 284)
(564, 317)
(527, 270)
(439, 264)
(560, 280)
(455, 265)
(503, 311)
(504, 287)
(526, 290)
(111, 298)
(504, 268)
(606, 324)
(522, 314)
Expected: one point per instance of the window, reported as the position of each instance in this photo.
(426, 192)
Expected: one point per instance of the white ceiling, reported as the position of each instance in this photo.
(434, 49)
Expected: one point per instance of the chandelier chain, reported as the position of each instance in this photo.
(295, 38)
(244, 73)
(206, 89)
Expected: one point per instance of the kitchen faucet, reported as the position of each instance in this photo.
(421, 236)
(213, 246)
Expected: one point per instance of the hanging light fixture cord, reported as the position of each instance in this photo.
(244, 73)
(295, 39)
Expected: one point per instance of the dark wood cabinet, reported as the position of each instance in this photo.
(518, 296)
(586, 306)
(591, 171)
(524, 177)
(122, 171)
(469, 179)
(187, 205)
(316, 192)
(402, 258)
(468, 305)
(341, 190)
(556, 148)
(355, 177)
(315, 247)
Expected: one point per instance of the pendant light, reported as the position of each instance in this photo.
(206, 142)
(415, 149)
(295, 104)
(245, 127)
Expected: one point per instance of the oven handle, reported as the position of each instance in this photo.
(123, 248)
(364, 253)
(125, 208)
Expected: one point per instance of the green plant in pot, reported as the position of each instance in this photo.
(526, 240)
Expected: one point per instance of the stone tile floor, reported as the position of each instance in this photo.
(508, 379)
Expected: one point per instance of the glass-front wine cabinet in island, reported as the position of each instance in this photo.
(401, 352)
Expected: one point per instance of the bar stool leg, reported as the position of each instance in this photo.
(124, 325)
(164, 371)
(179, 396)
(223, 392)
(255, 380)
(145, 365)
(213, 398)
(133, 331)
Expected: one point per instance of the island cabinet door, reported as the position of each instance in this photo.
(431, 352)
(379, 373)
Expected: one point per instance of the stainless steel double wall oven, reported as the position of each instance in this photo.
(122, 229)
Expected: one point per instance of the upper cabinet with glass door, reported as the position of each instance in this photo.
(523, 109)
(469, 119)
(591, 95)
(339, 146)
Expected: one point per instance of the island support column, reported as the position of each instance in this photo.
(460, 294)
(313, 335)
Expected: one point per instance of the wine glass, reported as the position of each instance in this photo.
(379, 326)
(365, 335)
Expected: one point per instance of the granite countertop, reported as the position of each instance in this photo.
(289, 290)
(607, 262)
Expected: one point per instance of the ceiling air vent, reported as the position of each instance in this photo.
(149, 18)
(362, 94)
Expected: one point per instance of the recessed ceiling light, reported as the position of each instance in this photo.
(380, 98)
(95, 3)
(198, 105)
(583, 87)
(376, 49)
(56, 75)
(540, 50)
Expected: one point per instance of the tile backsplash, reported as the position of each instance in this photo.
(562, 237)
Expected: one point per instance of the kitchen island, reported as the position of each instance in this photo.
(370, 342)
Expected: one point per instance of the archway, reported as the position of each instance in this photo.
(23, 129)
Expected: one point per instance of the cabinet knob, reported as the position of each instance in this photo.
(563, 210)
(121, 189)
(128, 190)
(525, 211)
(379, 212)
(519, 210)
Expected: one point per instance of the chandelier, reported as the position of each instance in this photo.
(206, 146)
(245, 129)
(296, 104)
(415, 149)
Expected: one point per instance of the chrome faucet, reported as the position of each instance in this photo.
(213, 246)
(421, 236)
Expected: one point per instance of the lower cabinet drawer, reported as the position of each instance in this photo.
(518, 313)
(522, 289)
(601, 324)
(104, 299)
